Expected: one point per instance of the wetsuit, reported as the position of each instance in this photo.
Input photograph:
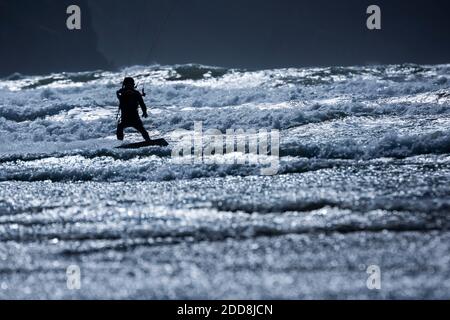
(130, 100)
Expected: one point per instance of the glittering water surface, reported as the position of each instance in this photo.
(364, 179)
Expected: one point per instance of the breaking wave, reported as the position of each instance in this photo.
(391, 145)
(59, 126)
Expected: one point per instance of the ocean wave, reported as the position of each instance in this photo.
(425, 205)
(27, 113)
(34, 82)
(89, 154)
(195, 72)
(134, 167)
(153, 167)
(156, 164)
(26, 123)
(390, 145)
(204, 225)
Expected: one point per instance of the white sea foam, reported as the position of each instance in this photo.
(351, 113)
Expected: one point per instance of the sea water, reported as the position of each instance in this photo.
(363, 179)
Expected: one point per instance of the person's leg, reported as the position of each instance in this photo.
(140, 127)
(119, 133)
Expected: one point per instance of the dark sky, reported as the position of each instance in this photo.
(272, 33)
(232, 33)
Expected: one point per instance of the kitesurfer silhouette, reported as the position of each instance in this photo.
(130, 100)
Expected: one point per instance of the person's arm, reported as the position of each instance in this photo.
(143, 106)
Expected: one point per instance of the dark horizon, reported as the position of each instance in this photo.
(248, 34)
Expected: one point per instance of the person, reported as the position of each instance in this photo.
(130, 100)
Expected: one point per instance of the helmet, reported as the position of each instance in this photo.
(128, 82)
